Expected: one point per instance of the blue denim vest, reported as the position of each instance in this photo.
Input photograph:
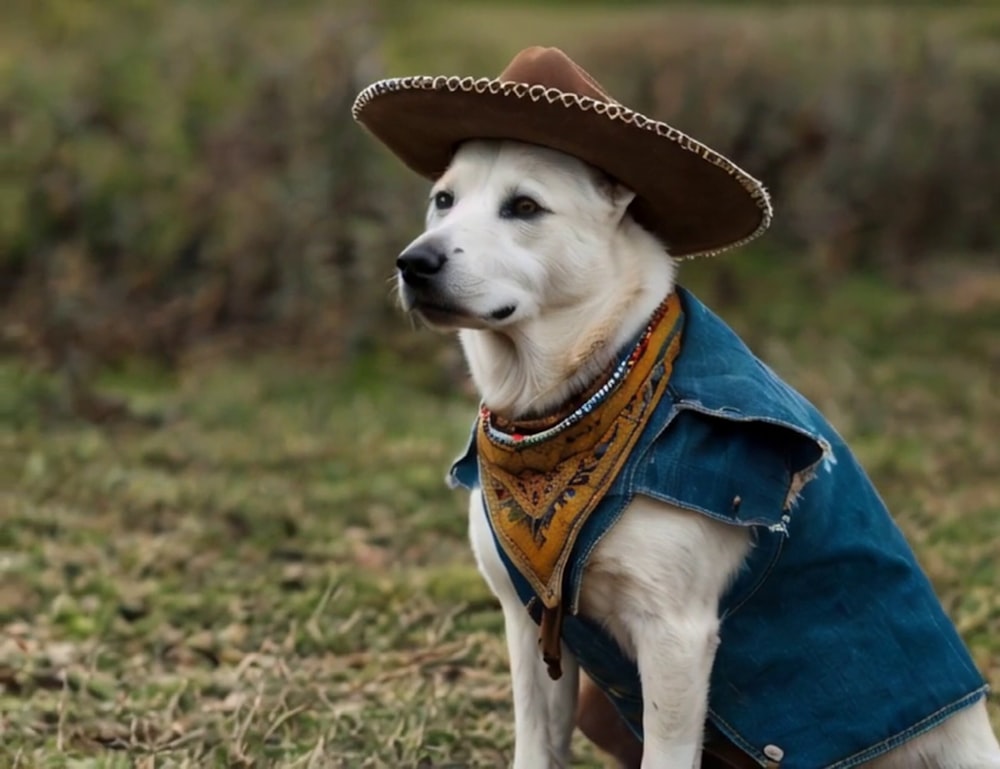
(833, 645)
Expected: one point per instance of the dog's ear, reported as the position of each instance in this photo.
(621, 197)
(617, 194)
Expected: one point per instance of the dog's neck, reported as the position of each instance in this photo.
(538, 366)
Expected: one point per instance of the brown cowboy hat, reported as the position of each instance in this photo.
(698, 202)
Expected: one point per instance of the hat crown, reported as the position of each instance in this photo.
(552, 68)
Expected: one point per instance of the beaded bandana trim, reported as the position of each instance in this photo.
(541, 485)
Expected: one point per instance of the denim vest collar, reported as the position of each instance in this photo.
(762, 422)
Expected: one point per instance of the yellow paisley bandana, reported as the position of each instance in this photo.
(542, 479)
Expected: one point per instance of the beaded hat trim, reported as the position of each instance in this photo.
(412, 130)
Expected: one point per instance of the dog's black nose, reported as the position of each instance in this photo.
(418, 264)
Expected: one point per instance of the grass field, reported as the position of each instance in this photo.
(262, 567)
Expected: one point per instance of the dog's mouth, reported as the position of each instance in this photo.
(443, 314)
(440, 314)
(502, 313)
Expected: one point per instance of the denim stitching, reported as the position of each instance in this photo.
(730, 733)
(752, 591)
(922, 726)
(577, 586)
(873, 751)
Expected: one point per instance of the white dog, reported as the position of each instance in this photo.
(533, 256)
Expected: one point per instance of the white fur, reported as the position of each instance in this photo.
(582, 279)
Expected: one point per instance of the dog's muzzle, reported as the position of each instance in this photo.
(423, 291)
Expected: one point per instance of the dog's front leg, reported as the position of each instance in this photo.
(656, 577)
(674, 657)
(544, 710)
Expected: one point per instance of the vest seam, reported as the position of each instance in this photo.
(737, 739)
(704, 511)
(760, 582)
(872, 751)
(915, 730)
(584, 557)
(734, 415)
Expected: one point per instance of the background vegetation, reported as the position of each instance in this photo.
(224, 539)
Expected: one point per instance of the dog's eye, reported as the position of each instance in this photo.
(444, 200)
(521, 207)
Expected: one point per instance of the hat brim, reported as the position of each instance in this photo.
(697, 201)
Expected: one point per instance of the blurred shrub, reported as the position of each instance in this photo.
(876, 131)
(177, 167)
(173, 168)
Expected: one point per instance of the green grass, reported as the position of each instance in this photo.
(276, 571)
(276, 574)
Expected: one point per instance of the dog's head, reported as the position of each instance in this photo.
(513, 231)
